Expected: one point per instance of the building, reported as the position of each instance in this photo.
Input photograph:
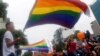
(95, 27)
(2, 23)
(96, 10)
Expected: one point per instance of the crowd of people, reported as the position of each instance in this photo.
(79, 44)
(83, 44)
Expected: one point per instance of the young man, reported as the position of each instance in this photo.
(8, 41)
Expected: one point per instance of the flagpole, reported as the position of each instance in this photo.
(49, 46)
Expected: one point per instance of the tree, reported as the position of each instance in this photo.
(28, 53)
(58, 41)
(3, 12)
(16, 34)
(1, 39)
(19, 33)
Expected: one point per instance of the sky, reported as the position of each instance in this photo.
(18, 12)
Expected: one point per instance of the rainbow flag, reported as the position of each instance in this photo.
(61, 12)
(39, 46)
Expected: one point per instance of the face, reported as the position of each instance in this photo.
(11, 26)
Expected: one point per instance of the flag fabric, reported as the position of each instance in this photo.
(39, 46)
(62, 12)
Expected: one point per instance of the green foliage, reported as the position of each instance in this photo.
(3, 12)
(60, 46)
(2, 31)
(28, 53)
(58, 41)
(19, 33)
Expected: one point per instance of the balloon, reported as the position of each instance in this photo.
(81, 36)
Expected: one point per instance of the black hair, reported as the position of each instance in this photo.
(8, 23)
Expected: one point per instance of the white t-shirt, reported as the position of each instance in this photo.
(6, 50)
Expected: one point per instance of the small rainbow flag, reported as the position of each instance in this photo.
(61, 12)
(39, 46)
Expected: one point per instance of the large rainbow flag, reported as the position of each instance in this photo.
(39, 46)
(61, 12)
